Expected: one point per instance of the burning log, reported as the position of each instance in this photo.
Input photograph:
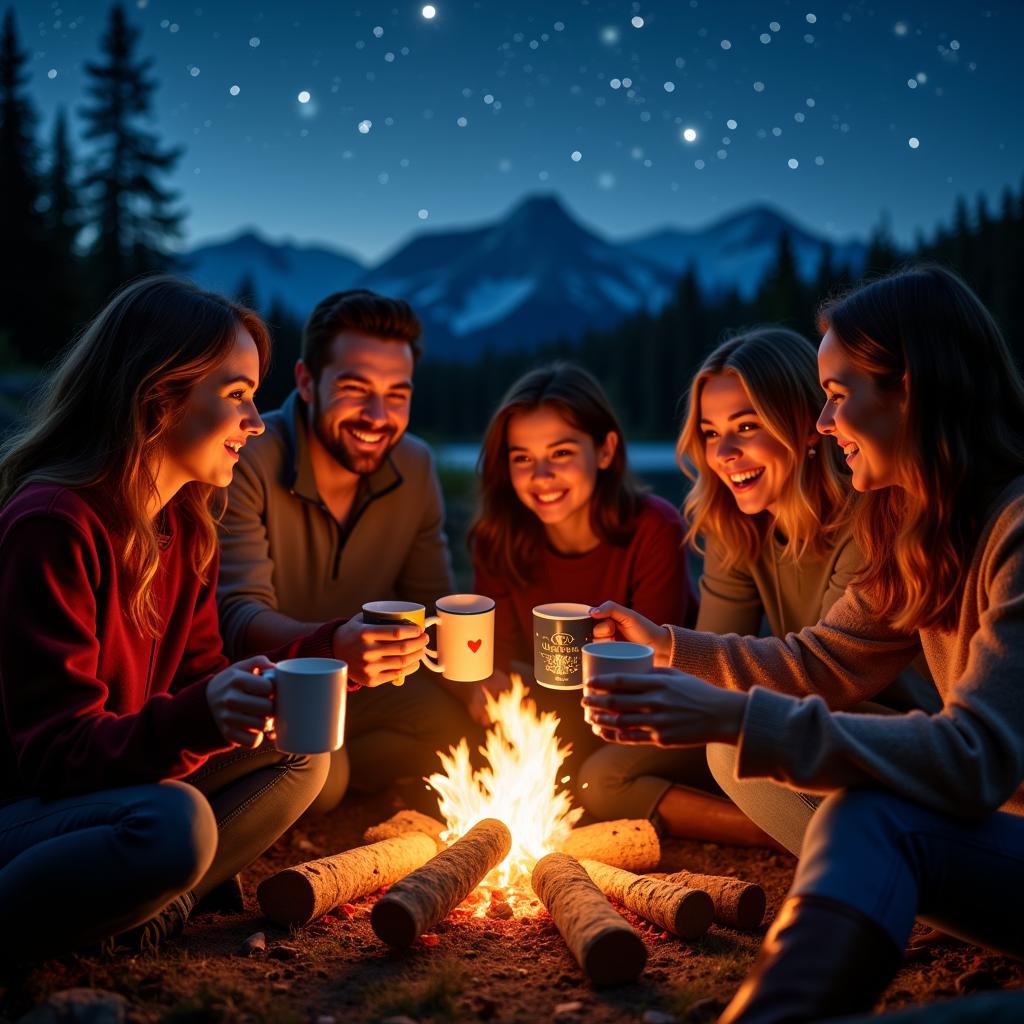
(303, 893)
(737, 903)
(605, 946)
(429, 894)
(630, 844)
(684, 911)
(404, 822)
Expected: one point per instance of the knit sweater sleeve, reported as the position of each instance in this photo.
(56, 707)
(967, 760)
(847, 657)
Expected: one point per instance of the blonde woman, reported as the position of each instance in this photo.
(768, 512)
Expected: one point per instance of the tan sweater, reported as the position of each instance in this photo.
(966, 760)
(789, 593)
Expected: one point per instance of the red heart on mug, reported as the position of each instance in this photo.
(474, 645)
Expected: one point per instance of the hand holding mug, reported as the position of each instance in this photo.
(663, 707)
(613, 621)
(241, 701)
(378, 654)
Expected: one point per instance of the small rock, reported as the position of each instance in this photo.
(659, 1017)
(976, 981)
(283, 952)
(568, 1011)
(79, 1006)
(255, 943)
(522, 972)
(429, 939)
(484, 1007)
(704, 1010)
(280, 987)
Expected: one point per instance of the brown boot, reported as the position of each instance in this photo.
(820, 959)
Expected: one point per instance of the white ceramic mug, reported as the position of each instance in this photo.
(608, 656)
(309, 704)
(465, 638)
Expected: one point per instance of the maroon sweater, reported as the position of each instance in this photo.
(648, 575)
(86, 701)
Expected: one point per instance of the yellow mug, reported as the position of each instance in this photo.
(387, 613)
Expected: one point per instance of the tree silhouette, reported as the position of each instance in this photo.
(21, 225)
(67, 304)
(132, 214)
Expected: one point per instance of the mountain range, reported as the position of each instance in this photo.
(534, 275)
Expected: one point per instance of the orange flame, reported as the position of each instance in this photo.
(518, 786)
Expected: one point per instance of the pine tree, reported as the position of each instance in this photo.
(22, 283)
(132, 213)
(63, 222)
(883, 254)
(780, 298)
(246, 293)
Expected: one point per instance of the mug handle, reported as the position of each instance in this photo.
(269, 725)
(434, 666)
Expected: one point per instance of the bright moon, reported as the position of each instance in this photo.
(429, 11)
(689, 134)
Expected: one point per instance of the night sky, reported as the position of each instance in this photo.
(358, 124)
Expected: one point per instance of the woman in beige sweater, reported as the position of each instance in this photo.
(767, 512)
(924, 812)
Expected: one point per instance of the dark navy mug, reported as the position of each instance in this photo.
(560, 632)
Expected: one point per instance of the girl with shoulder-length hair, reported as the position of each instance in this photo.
(134, 783)
(768, 379)
(561, 519)
(925, 402)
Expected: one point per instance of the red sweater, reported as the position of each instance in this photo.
(86, 701)
(648, 575)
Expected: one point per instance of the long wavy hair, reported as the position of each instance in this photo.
(105, 411)
(779, 371)
(960, 442)
(506, 536)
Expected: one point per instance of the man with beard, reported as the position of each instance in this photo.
(335, 505)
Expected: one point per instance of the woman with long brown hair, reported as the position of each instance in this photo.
(924, 813)
(134, 783)
(768, 511)
(561, 519)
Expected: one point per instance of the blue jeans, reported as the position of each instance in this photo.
(895, 860)
(78, 869)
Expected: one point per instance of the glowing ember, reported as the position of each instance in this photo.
(518, 785)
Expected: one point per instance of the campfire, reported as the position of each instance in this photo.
(508, 847)
(517, 786)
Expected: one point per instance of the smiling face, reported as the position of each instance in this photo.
(219, 416)
(752, 463)
(553, 467)
(360, 403)
(864, 420)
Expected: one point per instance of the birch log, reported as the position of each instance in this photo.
(737, 903)
(303, 893)
(605, 946)
(429, 894)
(628, 843)
(681, 910)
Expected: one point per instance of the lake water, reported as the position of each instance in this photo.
(644, 456)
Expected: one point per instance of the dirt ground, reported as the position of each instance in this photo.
(469, 969)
